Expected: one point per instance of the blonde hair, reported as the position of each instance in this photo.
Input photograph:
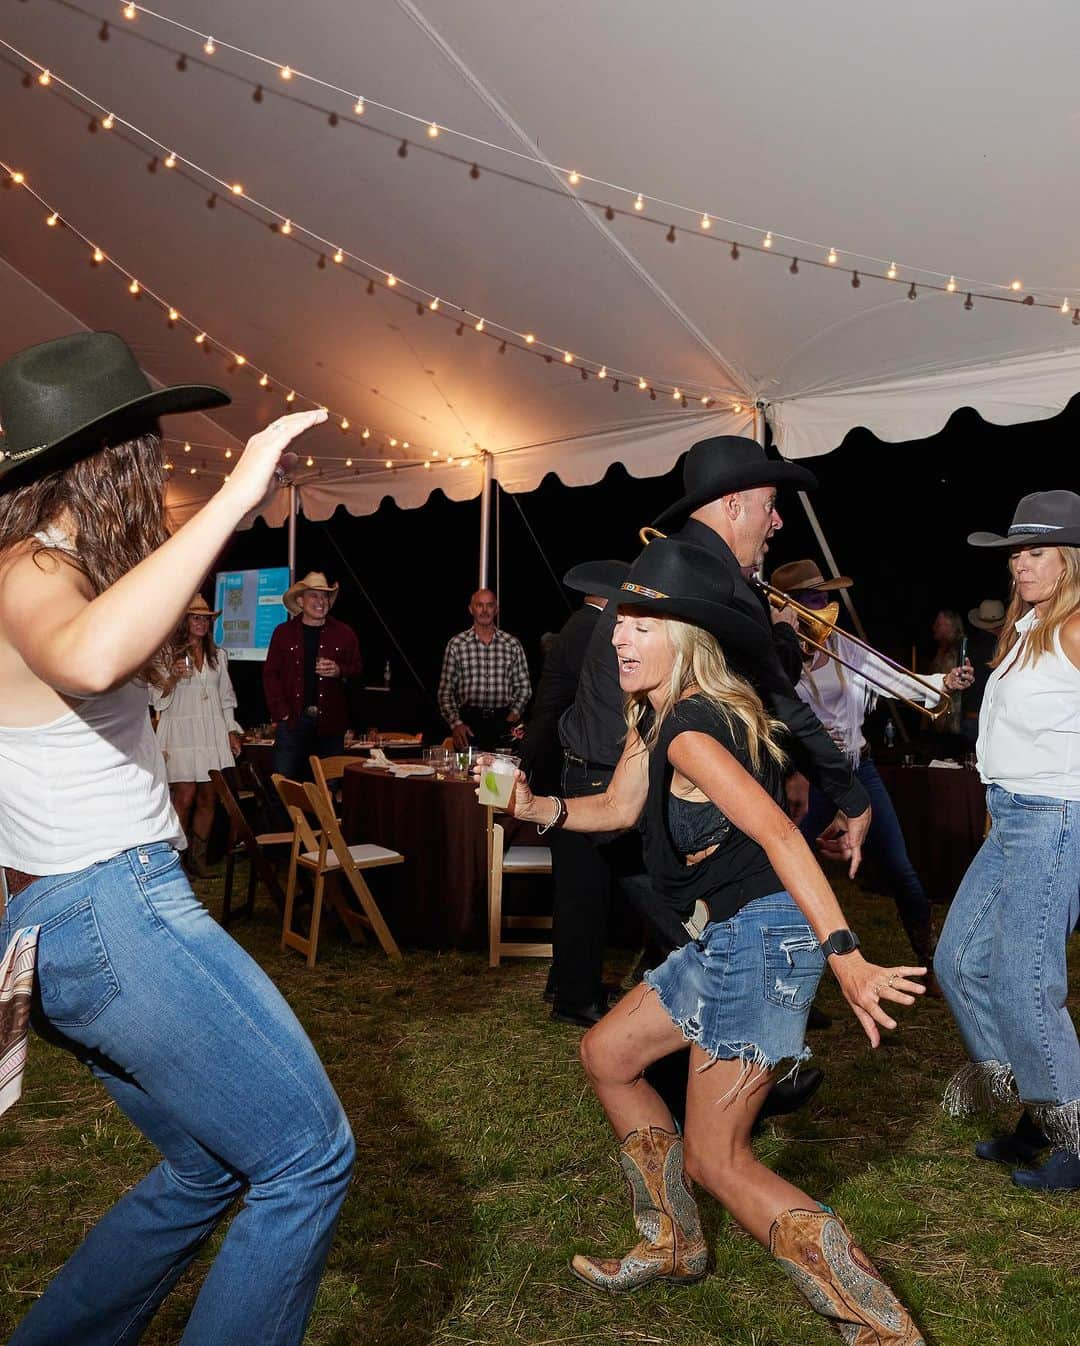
(1065, 601)
(699, 664)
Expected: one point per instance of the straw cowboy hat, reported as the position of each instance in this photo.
(314, 579)
(67, 398)
(1051, 518)
(988, 616)
(198, 607)
(726, 463)
(799, 575)
(675, 578)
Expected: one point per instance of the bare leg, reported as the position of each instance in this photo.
(183, 795)
(637, 1032)
(205, 803)
(722, 1101)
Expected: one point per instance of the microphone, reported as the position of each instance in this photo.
(286, 463)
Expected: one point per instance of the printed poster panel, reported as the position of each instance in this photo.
(251, 607)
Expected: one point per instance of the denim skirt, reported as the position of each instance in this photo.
(744, 990)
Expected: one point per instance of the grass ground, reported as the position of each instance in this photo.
(484, 1163)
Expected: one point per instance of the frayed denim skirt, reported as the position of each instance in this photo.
(744, 990)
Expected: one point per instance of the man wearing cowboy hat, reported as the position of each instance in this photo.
(309, 658)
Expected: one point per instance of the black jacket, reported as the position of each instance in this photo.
(594, 729)
(541, 752)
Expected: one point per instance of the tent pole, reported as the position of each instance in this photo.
(292, 532)
(485, 519)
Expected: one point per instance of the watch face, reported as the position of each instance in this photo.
(842, 941)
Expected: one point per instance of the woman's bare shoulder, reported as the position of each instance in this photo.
(31, 573)
(1070, 638)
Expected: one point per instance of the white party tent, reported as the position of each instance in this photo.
(494, 171)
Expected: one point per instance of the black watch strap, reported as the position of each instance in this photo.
(840, 941)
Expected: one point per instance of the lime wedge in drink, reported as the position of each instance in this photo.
(490, 782)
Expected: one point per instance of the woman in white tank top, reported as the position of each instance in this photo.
(187, 1034)
(1001, 960)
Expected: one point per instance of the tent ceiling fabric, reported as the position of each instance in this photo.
(933, 138)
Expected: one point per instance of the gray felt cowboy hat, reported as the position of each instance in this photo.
(1049, 518)
(726, 463)
(67, 398)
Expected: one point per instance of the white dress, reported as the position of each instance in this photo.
(196, 718)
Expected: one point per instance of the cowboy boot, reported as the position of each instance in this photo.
(197, 857)
(923, 937)
(672, 1247)
(841, 1283)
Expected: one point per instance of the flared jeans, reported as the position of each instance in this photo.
(201, 1052)
(1001, 963)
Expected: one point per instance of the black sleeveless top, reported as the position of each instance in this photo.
(738, 871)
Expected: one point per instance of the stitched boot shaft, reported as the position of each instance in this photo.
(666, 1216)
(841, 1283)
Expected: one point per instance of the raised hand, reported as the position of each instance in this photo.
(251, 478)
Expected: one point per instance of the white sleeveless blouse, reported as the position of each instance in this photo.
(1029, 723)
(83, 787)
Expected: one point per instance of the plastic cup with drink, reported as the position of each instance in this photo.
(496, 775)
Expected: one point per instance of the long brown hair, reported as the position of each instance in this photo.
(1065, 601)
(182, 639)
(116, 497)
(699, 663)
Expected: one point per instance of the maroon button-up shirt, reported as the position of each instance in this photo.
(283, 674)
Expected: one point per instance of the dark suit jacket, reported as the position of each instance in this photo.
(541, 753)
(594, 729)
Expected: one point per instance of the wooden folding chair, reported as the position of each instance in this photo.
(327, 769)
(244, 840)
(513, 860)
(321, 850)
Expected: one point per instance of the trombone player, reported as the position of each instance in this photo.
(842, 678)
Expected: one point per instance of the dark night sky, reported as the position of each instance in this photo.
(896, 516)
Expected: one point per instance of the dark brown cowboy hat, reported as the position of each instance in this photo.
(799, 575)
(726, 463)
(66, 398)
(1046, 518)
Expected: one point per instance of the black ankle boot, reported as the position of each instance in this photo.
(1025, 1144)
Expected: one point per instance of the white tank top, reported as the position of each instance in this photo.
(83, 787)
(1029, 723)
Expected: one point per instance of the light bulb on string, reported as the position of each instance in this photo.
(831, 258)
(736, 407)
(339, 256)
(433, 131)
(53, 220)
(187, 447)
(194, 471)
(174, 315)
(602, 372)
(228, 453)
(389, 463)
(309, 461)
(391, 280)
(44, 79)
(1065, 306)
(290, 396)
(264, 381)
(951, 285)
(479, 325)
(18, 178)
(129, 11)
(767, 241)
(568, 358)
(676, 394)
(891, 273)
(358, 107)
(529, 339)
(639, 202)
(134, 288)
(237, 189)
(348, 462)
(286, 228)
(706, 223)
(642, 384)
(108, 122)
(170, 160)
(365, 433)
(200, 339)
(286, 72)
(208, 46)
(434, 305)
(392, 442)
(574, 178)
(1016, 286)
(240, 359)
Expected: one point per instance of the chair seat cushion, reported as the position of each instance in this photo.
(527, 857)
(362, 855)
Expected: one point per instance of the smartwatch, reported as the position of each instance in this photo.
(840, 941)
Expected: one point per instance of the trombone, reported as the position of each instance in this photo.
(816, 625)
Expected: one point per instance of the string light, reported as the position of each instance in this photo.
(434, 130)
(951, 286)
(228, 453)
(290, 396)
(98, 256)
(529, 338)
(479, 325)
(108, 122)
(264, 381)
(173, 315)
(568, 359)
(309, 461)
(1016, 286)
(434, 305)
(603, 372)
(187, 447)
(170, 160)
(200, 340)
(240, 359)
(1065, 305)
(53, 220)
(706, 223)
(18, 178)
(642, 384)
(237, 189)
(891, 273)
(134, 288)
(339, 256)
(348, 462)
(389, 462)
(391, 280)
(44, 79)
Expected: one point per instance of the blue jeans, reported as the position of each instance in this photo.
(298, 740)
(885, 843)
(199, 1049)
(1002, 967)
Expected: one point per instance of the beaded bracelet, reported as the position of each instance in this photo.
(557, 818)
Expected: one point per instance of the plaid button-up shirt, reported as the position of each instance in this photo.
(490, 676)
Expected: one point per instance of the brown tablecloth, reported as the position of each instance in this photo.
(943, 816)
(440, 829)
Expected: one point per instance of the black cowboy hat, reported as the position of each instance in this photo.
(66, 398)
(597, 577)
(727, 463)
(1047, 518)
(675, 578)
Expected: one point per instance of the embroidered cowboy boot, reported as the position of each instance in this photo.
(665, 1213)
(841, 1283)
